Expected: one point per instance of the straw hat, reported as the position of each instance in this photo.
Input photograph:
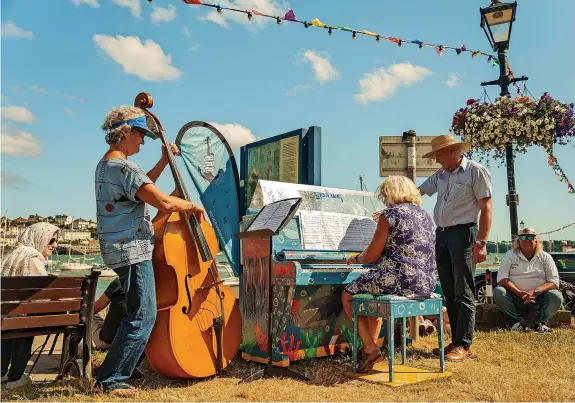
(446, 141)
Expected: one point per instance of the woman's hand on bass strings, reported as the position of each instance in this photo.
(196, 210)
(175, 151)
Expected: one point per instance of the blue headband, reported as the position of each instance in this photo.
(139, 122)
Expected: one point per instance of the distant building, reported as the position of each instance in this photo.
(81, 224)
(68, 235)
(18, 222)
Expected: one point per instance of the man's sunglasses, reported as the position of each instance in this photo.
(529, 237)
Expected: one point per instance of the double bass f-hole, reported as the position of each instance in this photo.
(187, 309)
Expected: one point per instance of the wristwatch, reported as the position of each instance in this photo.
(482, 243)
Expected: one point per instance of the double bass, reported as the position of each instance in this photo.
(198, 326)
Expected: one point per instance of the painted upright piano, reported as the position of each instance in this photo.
(309, 272)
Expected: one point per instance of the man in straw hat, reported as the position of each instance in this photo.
(463, 190)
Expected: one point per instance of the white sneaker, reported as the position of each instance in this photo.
(25, 380)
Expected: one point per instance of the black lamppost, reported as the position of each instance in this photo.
(497, 21)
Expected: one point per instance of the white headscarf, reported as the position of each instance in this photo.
(30, 245)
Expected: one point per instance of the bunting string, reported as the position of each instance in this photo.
(316, 23)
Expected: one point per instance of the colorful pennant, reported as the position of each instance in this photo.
(290, 16)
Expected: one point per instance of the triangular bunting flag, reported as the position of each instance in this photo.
(394, 40)
(256, 12)
(317, 23)
(364, 32)
(198, 2)
(474, 54)
(290, 16)
(439, 50)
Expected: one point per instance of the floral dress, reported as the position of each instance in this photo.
(407, 266)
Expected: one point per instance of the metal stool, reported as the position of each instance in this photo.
(391, 307)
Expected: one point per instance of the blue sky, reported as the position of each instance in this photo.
(65, 63)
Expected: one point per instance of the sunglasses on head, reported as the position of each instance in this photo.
(527, 237)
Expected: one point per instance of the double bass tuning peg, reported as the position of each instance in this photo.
(144, 100)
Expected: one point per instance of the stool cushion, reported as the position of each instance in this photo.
(391, 297)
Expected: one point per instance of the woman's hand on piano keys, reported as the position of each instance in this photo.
(353, 260)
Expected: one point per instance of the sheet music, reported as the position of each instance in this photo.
(273, 215)
(334, 231)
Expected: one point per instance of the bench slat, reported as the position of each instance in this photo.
(41, 307)
(29, 294)
(18, 282)
(30, 322)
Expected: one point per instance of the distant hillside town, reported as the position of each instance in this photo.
(73, 231)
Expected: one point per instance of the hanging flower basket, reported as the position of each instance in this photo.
(520, 121)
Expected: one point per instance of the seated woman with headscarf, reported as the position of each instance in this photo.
(34, 246)
(403, 250)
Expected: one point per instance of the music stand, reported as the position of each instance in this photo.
(271, 219)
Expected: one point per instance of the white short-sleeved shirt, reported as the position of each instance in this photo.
(458, 193)
(528, 274)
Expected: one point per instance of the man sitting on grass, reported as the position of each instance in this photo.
(528, 281)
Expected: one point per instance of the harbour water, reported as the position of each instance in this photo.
(103, 282)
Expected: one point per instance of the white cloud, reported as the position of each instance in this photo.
(134, 5)
(145, 60)
(293, 91)
(186, 32)
(19, 143)
(41, 90)
(17, 113)
(321, 66)
(91, 3)
(15, 88)
(68, 112)
(37, 89)
(12, 180)
(383, 82)
(11, 30)
(161, 14)
(236, 134)
(269, 7)
(453, 80)
(194, 47)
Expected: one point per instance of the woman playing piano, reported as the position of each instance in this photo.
(403, 250)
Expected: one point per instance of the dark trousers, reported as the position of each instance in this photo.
(454, 255)
(15, 355)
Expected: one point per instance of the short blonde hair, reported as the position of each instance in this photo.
(398, 189)
(538, 243)
(118, 114)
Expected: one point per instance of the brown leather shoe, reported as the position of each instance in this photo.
(457, 354)
(446, 349)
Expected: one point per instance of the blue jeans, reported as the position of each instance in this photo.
(136, 327)
(545, 304)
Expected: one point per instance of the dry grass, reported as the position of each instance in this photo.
(509, 367)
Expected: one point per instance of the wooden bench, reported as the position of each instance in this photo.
(46, 305)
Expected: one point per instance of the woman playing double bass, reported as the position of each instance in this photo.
(126, 234)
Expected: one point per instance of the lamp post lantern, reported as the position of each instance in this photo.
(522, 224)
(497, 22)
